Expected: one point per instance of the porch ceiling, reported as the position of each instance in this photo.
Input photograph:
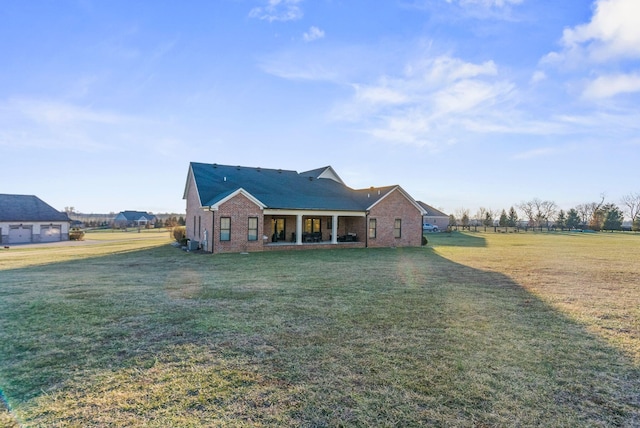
(271, 211)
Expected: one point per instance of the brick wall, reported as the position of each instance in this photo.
(394, 206)
(197, 220)
(238, 209)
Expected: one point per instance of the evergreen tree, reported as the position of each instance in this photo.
(612, 217)
(513, 217)
(452, 220)
(465, 220)
(573, 219)
(488, 219)
(561, 220)
(504, 220)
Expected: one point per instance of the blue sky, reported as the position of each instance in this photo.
(464, 103)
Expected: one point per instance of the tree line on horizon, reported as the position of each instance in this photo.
(167, 220)
(597, 216)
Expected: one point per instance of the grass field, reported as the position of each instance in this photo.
(474, 330)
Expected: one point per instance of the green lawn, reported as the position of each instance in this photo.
(476, 329)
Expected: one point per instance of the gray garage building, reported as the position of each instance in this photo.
(28, 219)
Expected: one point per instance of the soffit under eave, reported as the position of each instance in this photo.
(309, 212)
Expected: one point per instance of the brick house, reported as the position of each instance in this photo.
(134, 219)
(238, 209)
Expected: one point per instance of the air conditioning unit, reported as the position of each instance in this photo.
(192, 245)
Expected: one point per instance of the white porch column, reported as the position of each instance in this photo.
(334, 229)
(298, 229)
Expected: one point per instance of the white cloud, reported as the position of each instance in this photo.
(294, 66)
(487, 3)
(476, 9)
(612, 85)
(464, 96)
(379, 95)
(612, 33)
(433, 101)
(321, 62)
(538, 76)
(603, 52)
(53, 124)
(314, 33)
(278, 10)
(455, 10)
(537, 153)
(447, 69)
(59, 113)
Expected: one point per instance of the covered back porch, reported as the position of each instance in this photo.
(286, 228)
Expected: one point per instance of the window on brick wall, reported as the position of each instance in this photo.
(397, 228)
(225, 228)
(253, 229)
(372, 228)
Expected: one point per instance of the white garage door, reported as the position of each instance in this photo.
(50, 233)
(19, 234)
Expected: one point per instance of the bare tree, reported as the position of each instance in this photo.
(463, 215)
(589, 210)
(528, 209)
(544, 211)
(462, 212)
(584, 212)
(480, 215)
(632, 204)
(538, 212)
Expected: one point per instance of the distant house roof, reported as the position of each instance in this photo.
(134, 216)
(432, 212)
(25, 208)
(318, 189)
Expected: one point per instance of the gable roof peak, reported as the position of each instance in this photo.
(324, 172)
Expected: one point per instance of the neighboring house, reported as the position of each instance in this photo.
(235, 208)
(134, 219)
(435, 217)
(28, 219)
